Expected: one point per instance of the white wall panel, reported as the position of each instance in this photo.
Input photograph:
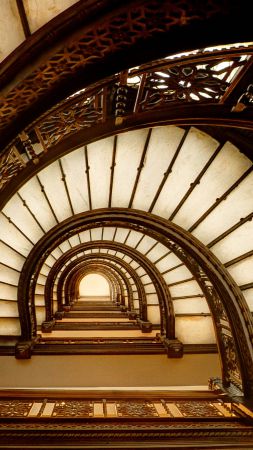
(74, 168)
(152, 299)
(129, 150)
(10, 21)
(42, 279)
(57, 253)
(65, 246)
(134, 265)
(191, 306)
(140, 271)
(136, 304)
(157, 252)
(188, 288)
(51, 178)
(195, 330)
(162, 146)
(100, 160)
(248, 294)
(39, 289)
(40, 12)
(23, 219)
(181, 273)
(96, 234)
(154, 314)
(195, 152)
(13, 237)
(39, 300)
(226, 214)
(45, 270)
(235, 244)
(50, 261)
(8, 309)
(8, 275)
(146, 279)
(127, 259)
(9, 327)
(35, 199)
(108, 233)
(150, 289)
(40, 314)
(133, 238)
(10, 257)
(8, 292)
(145, 245)
(74, 240)
(225, 170)
(121, 234)
(242, 272)
(85, 236)
(168, 262)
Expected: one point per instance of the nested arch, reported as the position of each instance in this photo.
(124, 289)
(107, 260)
(57, 272)
(165, 303)
(239, 318)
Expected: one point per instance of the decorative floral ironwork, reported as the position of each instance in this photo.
(231, 356)
(10, 165)
(188, 83)
(73, 408)
(14, 408)
(197, 80)
(117, 31)
(198, 409)
(82, 114)
(136, 409)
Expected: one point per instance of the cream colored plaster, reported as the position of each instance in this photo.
(107, 371)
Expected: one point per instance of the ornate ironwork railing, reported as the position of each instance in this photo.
(199, 77)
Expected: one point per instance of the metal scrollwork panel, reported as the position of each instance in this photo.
(10, 165)
(14, 408)
(72, 408)
(189, 83)
(227, 346)
(197, 409)
(136, 409)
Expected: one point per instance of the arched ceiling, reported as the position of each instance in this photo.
(166, 143)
